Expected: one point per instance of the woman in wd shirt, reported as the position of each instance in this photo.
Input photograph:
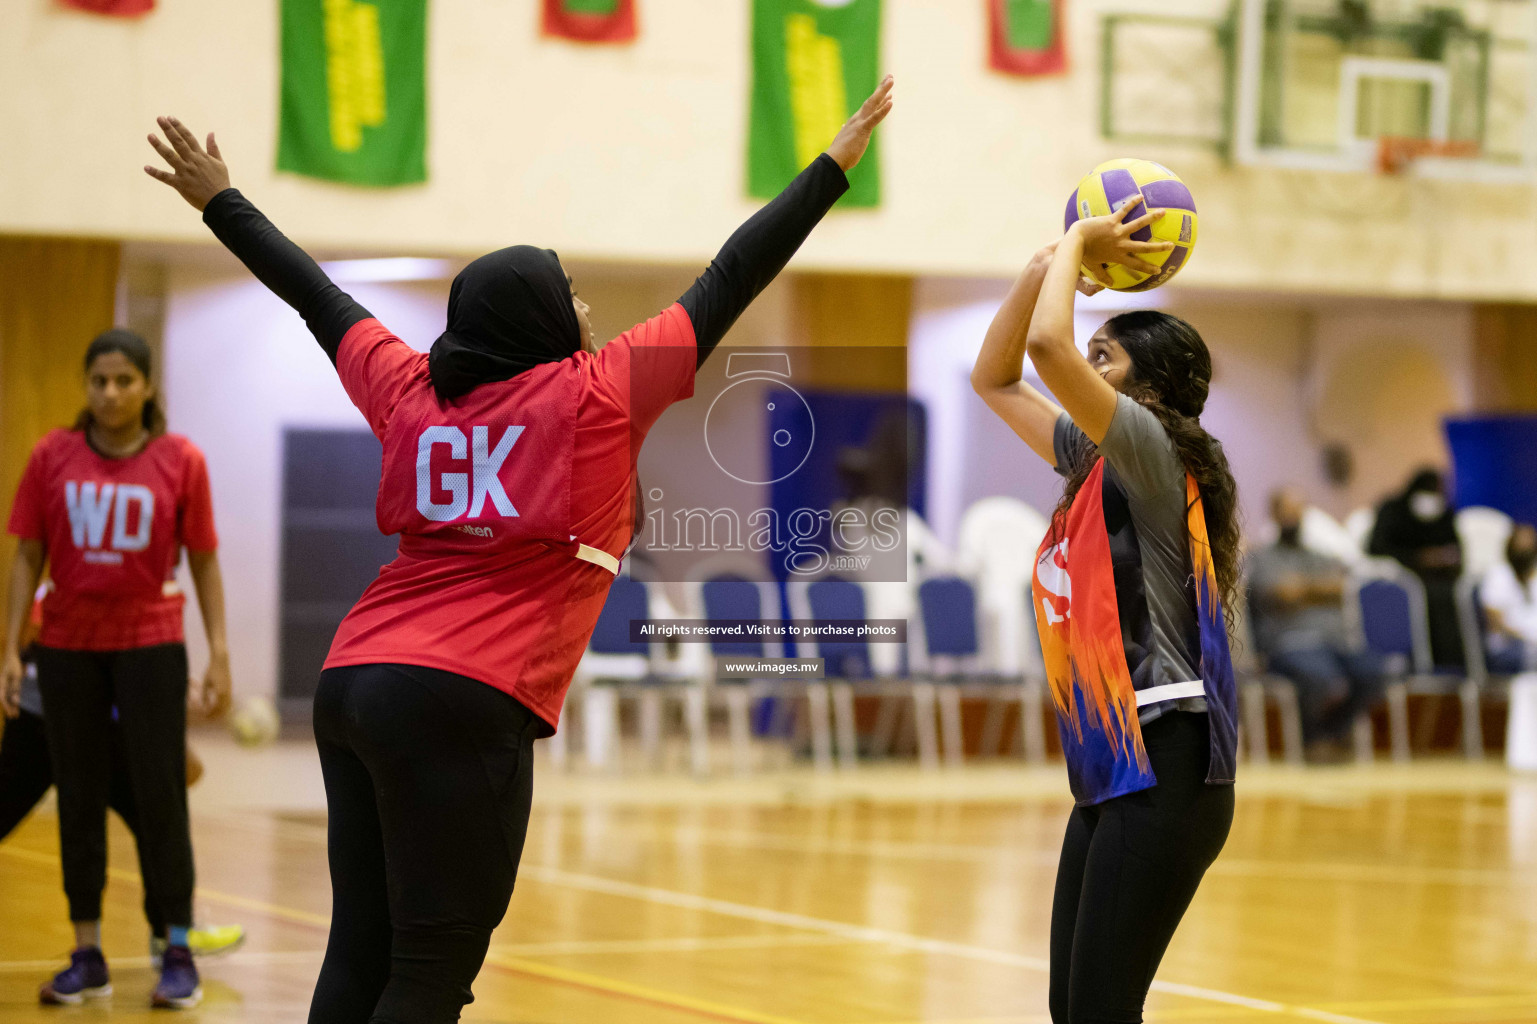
(509, 463)
(109, 504)
(1129, 590)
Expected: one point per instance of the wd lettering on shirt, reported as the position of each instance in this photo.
(1051, 570)
(130, 507)
(114, 530)
(467, 491)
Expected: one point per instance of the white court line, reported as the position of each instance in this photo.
(885, 936)
(860, 933)
(682, 945)
(856, 932)
(1235, 867)
(887, 848)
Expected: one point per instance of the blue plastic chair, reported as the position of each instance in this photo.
(840, 599)
(627, 599)
(845, 663)
(1475, 631)
(734, 597)
(951, 643)
(1394, 623)
(610, 665)
(615, 667)
(1388, 620)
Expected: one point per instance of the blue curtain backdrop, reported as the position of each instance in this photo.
(844, 420)
(1494, 462)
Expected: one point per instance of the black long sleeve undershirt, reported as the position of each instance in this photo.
(758, 250)
(752, 257)
(284, 268)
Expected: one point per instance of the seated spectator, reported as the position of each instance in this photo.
(1509, 596)
(1296, 604)
(1419, 529)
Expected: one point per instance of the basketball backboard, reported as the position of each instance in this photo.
(1328, 85)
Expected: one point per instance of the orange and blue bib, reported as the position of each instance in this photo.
(1086, 670)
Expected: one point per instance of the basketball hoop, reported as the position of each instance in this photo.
(1394, 153)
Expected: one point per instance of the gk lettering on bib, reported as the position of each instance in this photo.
(488, 470)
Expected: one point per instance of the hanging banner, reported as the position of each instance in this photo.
(1025, 36)
(354, 98)
(814, 63)
(119, 8)
(590, 21)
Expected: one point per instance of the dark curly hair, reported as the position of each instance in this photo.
(1171, 377)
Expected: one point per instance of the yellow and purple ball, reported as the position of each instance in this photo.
(1110, 186)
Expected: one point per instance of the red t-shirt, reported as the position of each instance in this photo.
(113, 530)
(494, 493)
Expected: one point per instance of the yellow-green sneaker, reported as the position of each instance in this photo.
(214, 940)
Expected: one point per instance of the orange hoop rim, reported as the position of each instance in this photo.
(1394, 152)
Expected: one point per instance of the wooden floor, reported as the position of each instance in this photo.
(1397, 896)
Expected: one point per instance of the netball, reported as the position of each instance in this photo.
(254, 723)
(1114, 183)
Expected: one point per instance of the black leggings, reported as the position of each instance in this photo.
(147, 687)
(26, 775)
(429, 779)
(1129, 868)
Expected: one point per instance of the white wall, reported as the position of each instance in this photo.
(239, 368)
(1290, 375)
(1382, 378)
(637, 153)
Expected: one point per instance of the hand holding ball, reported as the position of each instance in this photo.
(1109, 188)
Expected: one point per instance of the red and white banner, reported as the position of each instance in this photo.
(590, 21)
(119, 8)
(1025, 37)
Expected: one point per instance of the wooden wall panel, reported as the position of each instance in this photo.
(836, 312)
(55, 296)
(1505, 357)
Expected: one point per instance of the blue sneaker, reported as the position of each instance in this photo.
(179, 988)
(85, 978)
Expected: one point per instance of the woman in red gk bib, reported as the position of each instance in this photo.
(109, 504)
(1129, 590)
(509, 473)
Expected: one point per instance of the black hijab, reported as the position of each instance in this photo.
(508, 311)
(1401, 534)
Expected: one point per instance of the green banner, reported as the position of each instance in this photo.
(1030, 24)
(814, 63)
(354, 102)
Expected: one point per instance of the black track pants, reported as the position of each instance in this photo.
(1129, 868)
(429, 779)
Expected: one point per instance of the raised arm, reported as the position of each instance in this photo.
(1088, 398)
(998, 376)
(202, 179)
(759, 249)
